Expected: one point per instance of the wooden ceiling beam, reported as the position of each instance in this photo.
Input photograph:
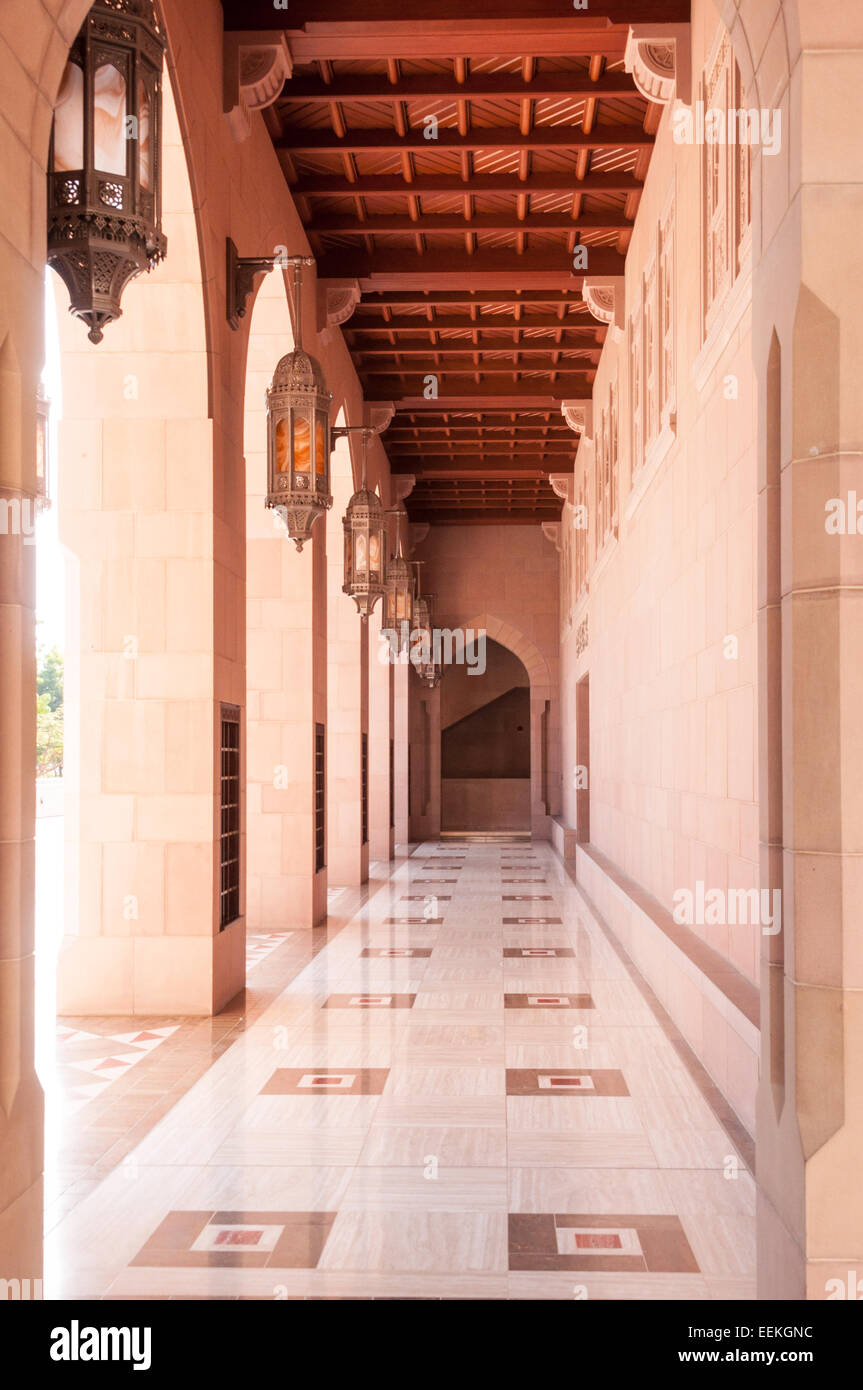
(524, 434)
(523, 502)
(479, 448)
(432, 296)
(445, 269)
(441, 224)
(386, 185)
(481, 516)
(302, 140)
(486, 366)
(500, 474)
(452, 465)
(434, 86)
(449, 347)
(463, 392)
(313, 17)
(580, 325)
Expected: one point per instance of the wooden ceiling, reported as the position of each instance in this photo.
(462, 233)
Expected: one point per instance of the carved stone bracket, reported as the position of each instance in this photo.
(604, 296)
(582, 636)
(256, 67)
(380, 415)
(418, 532)
(337, 300)
(579, 416)
(561, 485)
(401, 485)
(240, 274)
(659, 56)
(551, 531)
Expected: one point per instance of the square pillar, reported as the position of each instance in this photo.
(347, 700)
(381, 741)
(401, 751)
(21, 1105)
(286, 659)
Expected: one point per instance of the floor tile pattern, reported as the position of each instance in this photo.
(445, 1106)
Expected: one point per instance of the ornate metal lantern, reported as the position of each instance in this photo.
(399, 600)
(421, 627)
(298, 432)
(104, 165)
(429, 670)
(365, 545)
(422, 652)
(431, 674)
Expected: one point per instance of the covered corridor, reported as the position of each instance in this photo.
(451, 435)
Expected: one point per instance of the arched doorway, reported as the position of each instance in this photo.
(485, 743)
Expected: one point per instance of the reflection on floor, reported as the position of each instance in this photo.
(462, 1092)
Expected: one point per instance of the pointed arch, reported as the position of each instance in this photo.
(521, 646)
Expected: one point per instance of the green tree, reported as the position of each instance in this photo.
(49, 677)
(49, 713)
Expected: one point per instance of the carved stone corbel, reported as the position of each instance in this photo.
(380, 415)
(579, 416)
(256, 67)
(418, 532)
(551, 531)
(401, 485)
(337, 300)
(605, 296)
(659, 56)
(561, 485)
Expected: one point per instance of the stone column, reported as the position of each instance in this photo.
(21, 1111)
(381, 732)
(347, 696)
(286, 665)
(155, 588)
(401, 676)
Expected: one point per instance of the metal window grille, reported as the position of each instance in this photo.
(229, 812)
(320, 803)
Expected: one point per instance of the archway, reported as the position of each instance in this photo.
(485, 741)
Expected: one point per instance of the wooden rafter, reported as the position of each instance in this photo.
(463, 240)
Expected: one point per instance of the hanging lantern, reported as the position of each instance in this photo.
(298, 432)
(421, 628)
(430, 673)
(365, 545)
(429, 670)
(422, 653)
(399, 600)
(104, 164)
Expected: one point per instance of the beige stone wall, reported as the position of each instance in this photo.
(671, 606)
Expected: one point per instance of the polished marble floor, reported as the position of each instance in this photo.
(459, 1089)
